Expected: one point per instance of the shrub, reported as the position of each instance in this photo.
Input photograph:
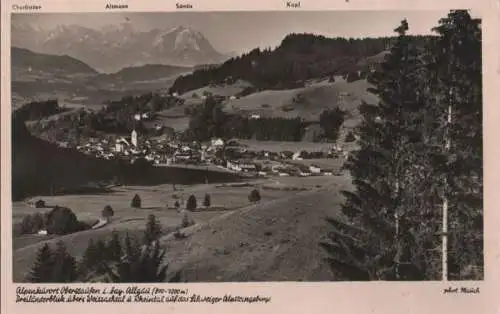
(186, 221)
(177, 205)
(40, 204)
(191, 203)
(136, 201)
(254, 196)
(179, 235)
(206, 201)
(62, 220)
(107, 212)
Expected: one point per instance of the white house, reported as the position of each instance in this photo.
(217, 143)
(255, 116)
(232, 97)
(42, 232)
(314, 169)
(137, 117)
(233, 166)
(247, 167)
(120, 145)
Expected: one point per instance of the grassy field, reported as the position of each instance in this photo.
(222, 90)
(155, 200)
(309, 101)
(277, 240)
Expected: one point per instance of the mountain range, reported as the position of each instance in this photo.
(113, 47)
(39, 76)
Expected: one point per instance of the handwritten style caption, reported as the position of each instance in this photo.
(66, 294)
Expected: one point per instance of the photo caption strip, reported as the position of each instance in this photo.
(116, 294)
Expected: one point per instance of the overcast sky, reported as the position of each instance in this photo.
(242, 31)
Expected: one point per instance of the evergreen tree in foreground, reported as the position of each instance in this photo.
(140, 263)
(420, 156)
(89, 259)
(42, 268)
(457, 82)
(377, 238)
(114, 247)
(153, 230)
(65, 269)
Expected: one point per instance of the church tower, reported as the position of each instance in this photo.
(134, 138)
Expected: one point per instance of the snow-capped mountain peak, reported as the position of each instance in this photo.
(113, 47)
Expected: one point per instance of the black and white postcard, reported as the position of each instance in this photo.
(158, 157)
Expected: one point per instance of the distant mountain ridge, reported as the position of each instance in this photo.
(112, 48)
(37, 76)
(31, 61)
(143, 73)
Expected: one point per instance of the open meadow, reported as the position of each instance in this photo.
(157, 200)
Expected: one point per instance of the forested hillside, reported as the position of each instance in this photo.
(299, 57)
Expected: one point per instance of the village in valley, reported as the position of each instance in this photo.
(228, 155)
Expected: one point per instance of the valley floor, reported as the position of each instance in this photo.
(290, 214)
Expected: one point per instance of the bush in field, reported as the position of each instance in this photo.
(254, 196)
(40, 204)
(206, 200)
(191, 203)
(136, 201)
(61, 220)
(107, 212)
(177, 205)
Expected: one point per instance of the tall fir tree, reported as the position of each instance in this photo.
(89, 260)
(43, 266)
(457, 84)
(376, 239)
(114, 247)
(65, 269)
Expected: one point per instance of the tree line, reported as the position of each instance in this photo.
(416, 212)
(121, 258)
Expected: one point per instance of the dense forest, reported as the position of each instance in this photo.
(416, 212)
(299, 57)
